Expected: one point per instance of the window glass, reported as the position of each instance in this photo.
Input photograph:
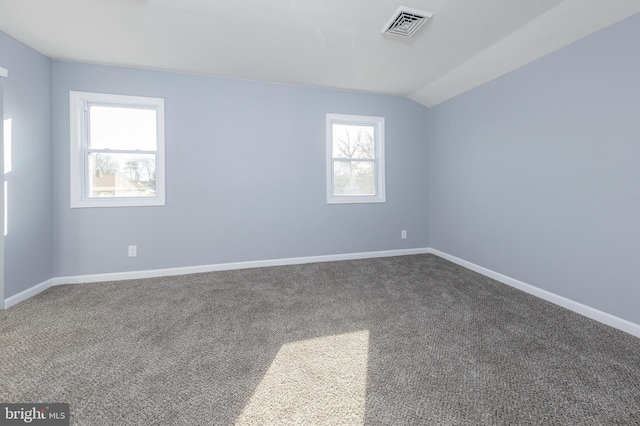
(355, 159)
(117, 150)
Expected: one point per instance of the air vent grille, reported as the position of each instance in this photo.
(406, 21)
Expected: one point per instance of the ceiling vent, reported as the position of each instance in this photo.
(406, 21)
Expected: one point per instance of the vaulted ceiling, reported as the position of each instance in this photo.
(330, 43)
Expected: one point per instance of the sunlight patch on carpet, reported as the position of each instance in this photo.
(316, 381)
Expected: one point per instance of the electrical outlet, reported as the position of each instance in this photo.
(403, 234)
(133, 251)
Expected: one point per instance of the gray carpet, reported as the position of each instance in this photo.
(394, 341)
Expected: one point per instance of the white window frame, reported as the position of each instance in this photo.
(78, 102)
(379, 169)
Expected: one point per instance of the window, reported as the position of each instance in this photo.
(117, 150)
(355, 159)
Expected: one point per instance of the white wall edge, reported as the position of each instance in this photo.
(4, 72)
(28, 293)
(118, 276)
(587, 311)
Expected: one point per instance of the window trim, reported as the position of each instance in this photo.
(78, 102)
(379, 163)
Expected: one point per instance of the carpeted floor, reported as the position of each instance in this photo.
(393, 341)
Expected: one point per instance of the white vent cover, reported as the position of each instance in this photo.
(406, 21)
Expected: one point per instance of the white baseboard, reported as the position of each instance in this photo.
(30, 292)
(119, 276)
(587, 311)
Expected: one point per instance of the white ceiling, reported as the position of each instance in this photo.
(330, 43)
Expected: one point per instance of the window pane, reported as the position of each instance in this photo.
(353, 141)
(122, 128)
(122, 175)
(353, 178)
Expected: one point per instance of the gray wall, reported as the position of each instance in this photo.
(27, 102)
(536, 175)
(245, 176)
